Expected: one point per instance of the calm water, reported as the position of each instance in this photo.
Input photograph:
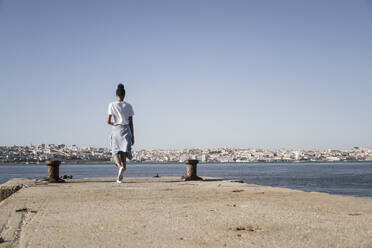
(354, 179)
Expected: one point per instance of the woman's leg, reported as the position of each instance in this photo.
(123, 159)
(123, 164)
(117, 159)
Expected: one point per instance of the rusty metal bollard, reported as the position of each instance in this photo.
(53, 171)
(191, 169)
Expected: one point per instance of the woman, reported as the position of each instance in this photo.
(120, 116)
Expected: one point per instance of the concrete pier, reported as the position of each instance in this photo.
(169, 212)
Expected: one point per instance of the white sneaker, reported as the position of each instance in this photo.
(119, 181)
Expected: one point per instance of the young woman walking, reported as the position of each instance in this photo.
(120, 116)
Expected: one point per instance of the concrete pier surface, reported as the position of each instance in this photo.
(168, 212)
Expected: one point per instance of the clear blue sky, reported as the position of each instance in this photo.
(261, 74)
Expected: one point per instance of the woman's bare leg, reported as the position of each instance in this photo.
(123, 162)
(117, 160)
(123, 159)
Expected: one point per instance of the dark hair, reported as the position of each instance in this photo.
(120, 91)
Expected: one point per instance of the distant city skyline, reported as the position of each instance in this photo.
(199, 74)
(41, 153)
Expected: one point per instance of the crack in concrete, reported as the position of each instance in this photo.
(17, 235)
(14, 242)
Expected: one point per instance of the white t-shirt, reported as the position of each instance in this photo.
(120, 111)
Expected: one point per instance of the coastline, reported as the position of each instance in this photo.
(168, 212)
(130, 162)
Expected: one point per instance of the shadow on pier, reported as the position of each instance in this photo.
(138, 180)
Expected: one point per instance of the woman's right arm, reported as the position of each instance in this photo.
(109, 115)
(109, 120)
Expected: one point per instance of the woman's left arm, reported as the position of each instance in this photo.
(131, 128)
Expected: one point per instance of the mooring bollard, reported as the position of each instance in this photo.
(191, 170)
(53, 171)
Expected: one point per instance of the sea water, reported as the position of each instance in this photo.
(351, 178)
